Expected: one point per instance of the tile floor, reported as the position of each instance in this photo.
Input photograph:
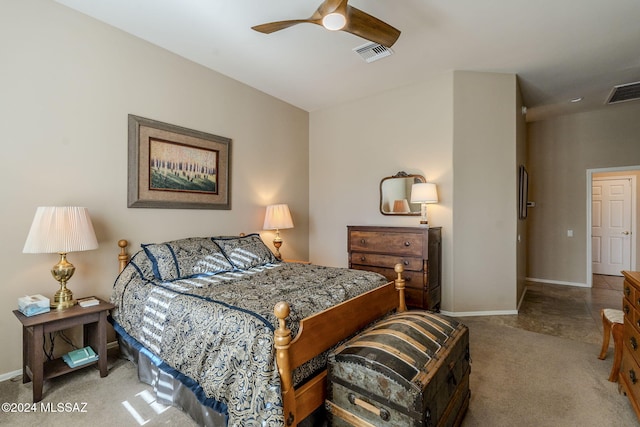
(566, 311)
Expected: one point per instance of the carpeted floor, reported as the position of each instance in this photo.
(518, 378)
(522, 378)
(116, 400)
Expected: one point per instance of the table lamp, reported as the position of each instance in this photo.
(277, 218)
(424, 193)
(61, 230)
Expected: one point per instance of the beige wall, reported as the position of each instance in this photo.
(521, 159)
(560, 151)
(458, 122)
(353, 146)
(485, 222)
(67, 85)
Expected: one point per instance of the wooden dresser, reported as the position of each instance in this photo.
(629, 377)
(418, 249)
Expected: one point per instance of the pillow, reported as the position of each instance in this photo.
(185, 258)
(142, 264)
(246, 252)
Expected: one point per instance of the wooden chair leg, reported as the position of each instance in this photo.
(606, 326)
(617, 330)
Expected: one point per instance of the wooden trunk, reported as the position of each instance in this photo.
(411, 369)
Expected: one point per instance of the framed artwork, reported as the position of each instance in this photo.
(178, 168)
(523, 193)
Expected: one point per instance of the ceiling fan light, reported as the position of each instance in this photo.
(334, 21)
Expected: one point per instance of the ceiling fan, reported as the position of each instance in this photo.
(337, 15)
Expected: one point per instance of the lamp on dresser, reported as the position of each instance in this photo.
(424, 193)
(277, 217)
(61, 230)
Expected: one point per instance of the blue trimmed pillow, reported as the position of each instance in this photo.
(185, 258)
(246, 251)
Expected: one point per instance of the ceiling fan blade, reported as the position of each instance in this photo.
(330, 6)
(369, 27)
(272, 27)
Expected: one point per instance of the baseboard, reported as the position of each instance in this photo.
(479, 313)
(9, 375)
(557, 282)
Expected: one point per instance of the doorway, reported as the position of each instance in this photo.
(611, 220)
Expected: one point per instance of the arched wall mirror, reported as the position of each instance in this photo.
(395, 194)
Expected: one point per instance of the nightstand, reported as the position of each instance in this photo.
(34, 367)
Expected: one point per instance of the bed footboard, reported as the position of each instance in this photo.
(319, 333)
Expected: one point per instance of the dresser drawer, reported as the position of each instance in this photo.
(387, 261)
(629, 377)
(631, 339)
(629, 291)
(407, 244)
(634, 319)
(628, 309)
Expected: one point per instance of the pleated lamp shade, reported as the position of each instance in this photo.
(424, 192)
(277, 217)
(60, 230)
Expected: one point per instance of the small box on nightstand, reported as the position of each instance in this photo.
(31, 305)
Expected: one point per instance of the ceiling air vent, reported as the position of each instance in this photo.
(626, 92)
(372, 51)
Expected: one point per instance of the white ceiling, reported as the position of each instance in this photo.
(560, 49)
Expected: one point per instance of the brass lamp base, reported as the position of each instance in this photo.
(62, 272)
(63, 299)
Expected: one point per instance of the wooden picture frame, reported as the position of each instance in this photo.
(523, 193)
(177, 168)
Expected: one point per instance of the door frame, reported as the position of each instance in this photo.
(590, 173)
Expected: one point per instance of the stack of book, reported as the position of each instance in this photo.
(80, 357)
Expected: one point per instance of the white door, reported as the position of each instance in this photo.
(611, 226)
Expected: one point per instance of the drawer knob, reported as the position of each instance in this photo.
(632, 376)
(634, 343)
(638, 301)
(407, 244)
(405, 262)
(626, 309)
(363, 258)
(363, 241)
(627, 291)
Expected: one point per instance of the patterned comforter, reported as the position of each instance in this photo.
(218, 330)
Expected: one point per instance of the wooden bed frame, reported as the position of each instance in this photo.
(317, 334)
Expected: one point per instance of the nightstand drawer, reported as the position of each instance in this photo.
(387, 261)
(408, 244)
